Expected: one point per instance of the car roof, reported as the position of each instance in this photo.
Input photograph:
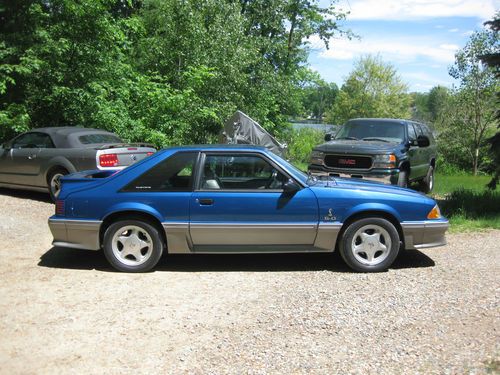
(393, 120)
(60, 134)
(218, 147)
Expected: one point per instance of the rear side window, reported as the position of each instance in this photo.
(89, 139)
(172, 174)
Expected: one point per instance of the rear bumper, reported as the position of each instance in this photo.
(76, 234)
(424, 234)
(386, 176)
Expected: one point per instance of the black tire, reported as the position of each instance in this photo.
(360, 260)
(403, 179)
(137, 254)
(53, 183)
(427, 183)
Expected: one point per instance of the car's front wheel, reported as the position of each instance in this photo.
(132, 245)
(370, 244)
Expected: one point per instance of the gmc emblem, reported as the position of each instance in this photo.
(347, 161)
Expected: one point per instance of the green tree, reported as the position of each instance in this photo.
(472, 117)
(373, 89)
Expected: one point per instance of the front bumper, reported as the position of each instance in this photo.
(76, 234)
(386, 176)
(424, 234)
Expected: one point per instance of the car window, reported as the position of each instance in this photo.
(33, 140)
(89, 139)
(418, 129)
(240, 172)
(172, 174)
(412, 135)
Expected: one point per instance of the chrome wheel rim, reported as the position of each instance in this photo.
(431, 181)
(371, 245)
(55, 184)
(132, 245)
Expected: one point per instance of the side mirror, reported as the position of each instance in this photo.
(328, 137)
(290, 187)
(423, 141)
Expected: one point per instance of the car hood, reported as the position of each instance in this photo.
(365, 186)
(347, 146)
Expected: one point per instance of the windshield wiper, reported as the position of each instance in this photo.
(351, 138)
(375, 139)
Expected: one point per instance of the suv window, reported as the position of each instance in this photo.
(172, 174)
(412, 135)
(33, 140)
(240, 172)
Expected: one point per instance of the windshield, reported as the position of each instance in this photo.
(372, 131)
(297, 173)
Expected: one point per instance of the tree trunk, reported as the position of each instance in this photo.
(475, 160)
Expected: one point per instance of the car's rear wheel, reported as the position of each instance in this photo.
(370, 244)
(132, 245)
(427, 183)
(54, 182)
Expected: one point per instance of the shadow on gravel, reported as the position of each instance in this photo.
(32, 195)
(90, 260)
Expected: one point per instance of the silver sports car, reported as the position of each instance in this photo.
(37, 159)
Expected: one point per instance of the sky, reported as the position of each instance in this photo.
(418, 37)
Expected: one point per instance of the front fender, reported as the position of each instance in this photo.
(371, 207)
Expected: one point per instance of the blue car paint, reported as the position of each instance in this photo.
(95, 199)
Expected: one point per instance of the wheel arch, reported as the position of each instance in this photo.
(368, 213)
(131, 214)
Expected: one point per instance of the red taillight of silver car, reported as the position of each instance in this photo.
(108, 160)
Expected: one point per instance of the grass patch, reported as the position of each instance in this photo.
(445, 184)
(466, 202)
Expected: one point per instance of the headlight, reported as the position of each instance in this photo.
(317, 157)
(435, 213)
(384, 161)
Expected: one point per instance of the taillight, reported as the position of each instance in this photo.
(60, 207)
(108, 160)
(149, 153)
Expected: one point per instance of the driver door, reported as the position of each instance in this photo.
(240, 206)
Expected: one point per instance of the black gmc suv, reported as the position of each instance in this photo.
(387, 150)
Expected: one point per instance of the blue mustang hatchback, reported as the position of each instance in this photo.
(238, 199)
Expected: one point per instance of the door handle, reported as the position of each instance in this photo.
(205, 201)
(32, 156)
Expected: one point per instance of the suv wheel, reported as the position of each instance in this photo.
(403, 179)
(428, 182)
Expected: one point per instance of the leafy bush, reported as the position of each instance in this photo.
(301, 142)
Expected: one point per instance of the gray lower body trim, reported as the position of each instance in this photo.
(261, 234)
(424, 234)
(77, 234)
(224, 238)
(178, 238)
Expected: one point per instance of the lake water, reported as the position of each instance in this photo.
(321, 127)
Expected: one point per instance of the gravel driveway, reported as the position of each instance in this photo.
(66, 311)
